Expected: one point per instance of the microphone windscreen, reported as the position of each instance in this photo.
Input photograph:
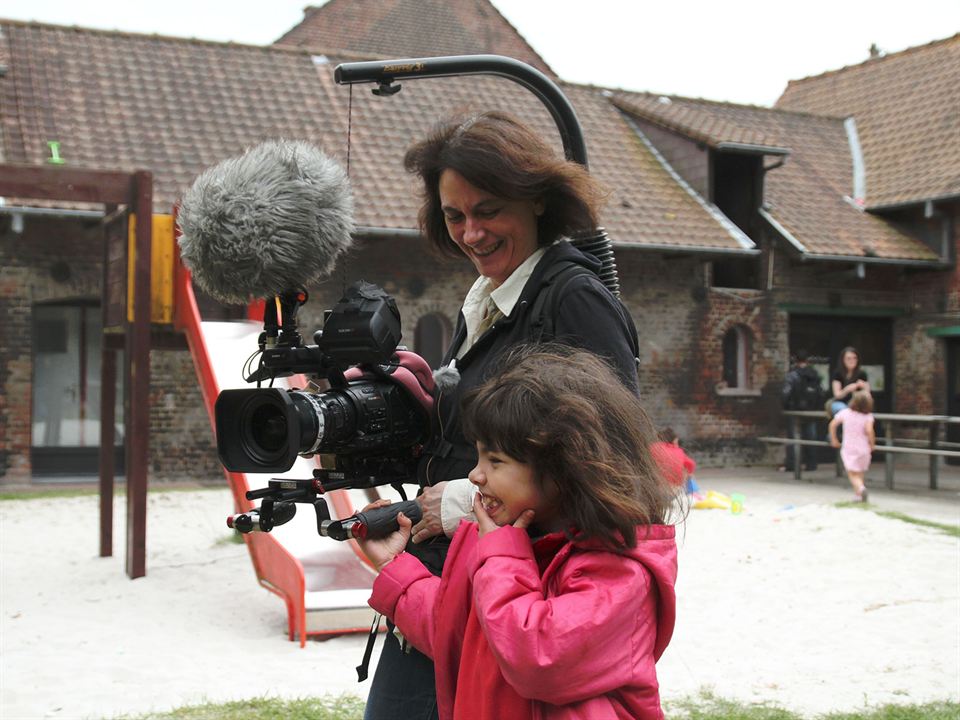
(273, 219)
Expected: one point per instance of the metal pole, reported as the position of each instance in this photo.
(888, 460)
(796, 448)
(934, 459)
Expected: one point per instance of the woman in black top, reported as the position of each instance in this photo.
(848, 378)
(495, 192)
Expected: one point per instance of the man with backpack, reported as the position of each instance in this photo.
(802, 390)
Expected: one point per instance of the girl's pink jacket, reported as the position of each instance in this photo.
(579, 640)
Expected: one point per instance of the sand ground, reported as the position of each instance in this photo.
(793, 601)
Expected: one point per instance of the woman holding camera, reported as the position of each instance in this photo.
(497, 193)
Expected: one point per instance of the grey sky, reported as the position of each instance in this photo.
(740, 50)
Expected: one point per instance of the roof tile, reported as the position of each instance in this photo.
(809, 194)
(907, 110)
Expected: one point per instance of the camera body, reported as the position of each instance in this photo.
(368, 419)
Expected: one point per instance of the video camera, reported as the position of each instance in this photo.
(370, 425)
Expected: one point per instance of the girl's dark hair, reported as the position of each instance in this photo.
(861, 401)
(843, 368)
(566, 413)
(500, 155)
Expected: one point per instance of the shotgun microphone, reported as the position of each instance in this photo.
(273, 219)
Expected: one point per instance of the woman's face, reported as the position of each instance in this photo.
(508, 487)
(497, 234)
(850, 360)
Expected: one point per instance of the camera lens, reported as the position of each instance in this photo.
(264, 432)
(268, 428)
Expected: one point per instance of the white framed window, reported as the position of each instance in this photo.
(737, 353)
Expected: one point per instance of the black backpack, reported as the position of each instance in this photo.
(547, 304)
(803, 391)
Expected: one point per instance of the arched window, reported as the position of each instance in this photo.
(431, 338)
(736, 358)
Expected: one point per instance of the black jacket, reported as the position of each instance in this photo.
(587, 316)
(802, 389)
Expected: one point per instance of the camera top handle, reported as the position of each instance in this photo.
(385, 72)
(592, 241)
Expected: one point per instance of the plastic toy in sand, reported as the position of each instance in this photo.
(714, 500)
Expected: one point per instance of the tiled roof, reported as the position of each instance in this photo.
(706, 121)
(126, 102)
(174, 106)
(411, 28)
(808, 196)
(907, 110)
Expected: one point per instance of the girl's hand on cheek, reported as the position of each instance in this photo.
(484, 521)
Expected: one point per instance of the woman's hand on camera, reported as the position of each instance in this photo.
(486, 523)
(430, 524)
(383, 550)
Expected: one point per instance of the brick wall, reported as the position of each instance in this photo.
(680, 319)
(28, 264)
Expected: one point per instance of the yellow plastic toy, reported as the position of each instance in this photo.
(713, 501)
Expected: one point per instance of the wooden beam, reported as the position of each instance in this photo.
(62, 183)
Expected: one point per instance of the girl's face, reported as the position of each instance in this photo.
(850, 360)
(495, 233)
(508, 487)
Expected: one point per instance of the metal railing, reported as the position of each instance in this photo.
(934, 447)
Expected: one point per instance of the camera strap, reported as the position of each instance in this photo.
(364, 667)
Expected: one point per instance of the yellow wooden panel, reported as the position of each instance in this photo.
(161, 269)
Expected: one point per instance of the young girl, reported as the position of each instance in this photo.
(859, 439)
(559, 599)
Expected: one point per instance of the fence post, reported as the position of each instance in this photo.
(934, 459)
(796, 447)
(888, 460)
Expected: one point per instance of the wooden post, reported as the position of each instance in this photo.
(138, 380)
(108, 398)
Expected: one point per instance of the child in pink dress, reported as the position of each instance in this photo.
(859, 440)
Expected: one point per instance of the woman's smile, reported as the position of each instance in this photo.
(495, 233)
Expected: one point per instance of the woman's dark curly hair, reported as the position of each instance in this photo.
(565, 412)
(498, 154)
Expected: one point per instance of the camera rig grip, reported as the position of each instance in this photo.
(280, 499)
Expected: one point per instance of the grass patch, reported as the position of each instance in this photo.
(709, 707)
(705, 707)
(928, 711)
(952, 530)
(343, 707)
(52, 493)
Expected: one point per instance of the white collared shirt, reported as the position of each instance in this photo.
(504, 297)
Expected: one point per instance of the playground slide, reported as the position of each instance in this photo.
(324, 583)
